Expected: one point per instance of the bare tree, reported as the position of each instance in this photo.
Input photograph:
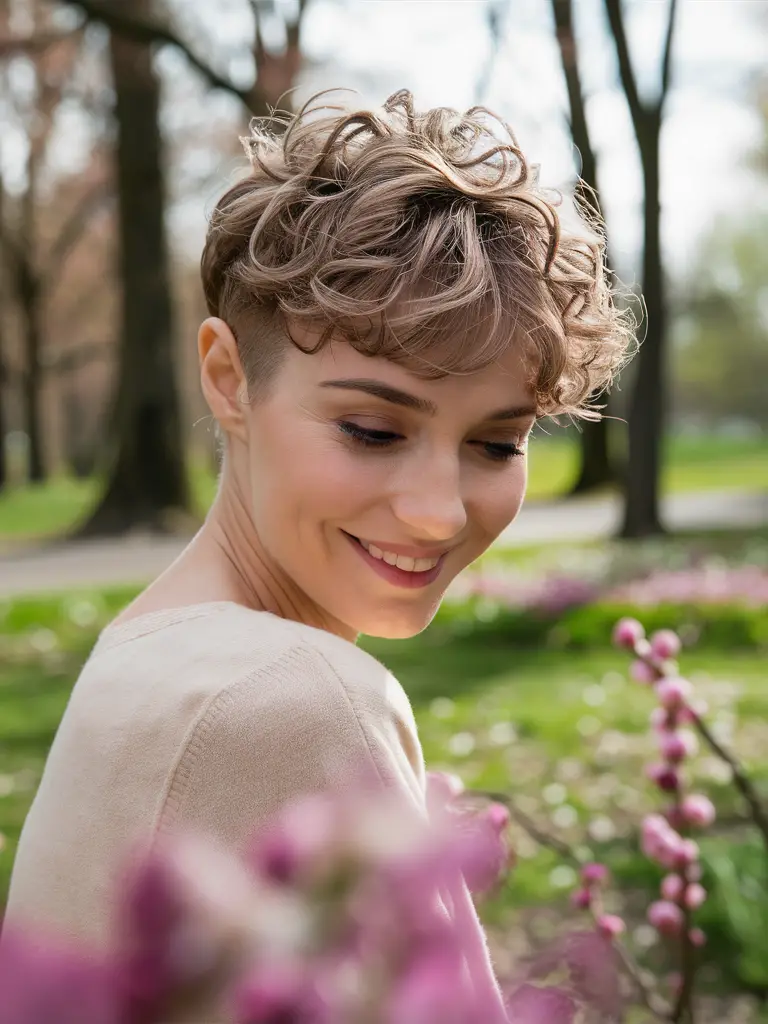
(648, 399)
(146, 472)
(595, 469)
(3, 322)
(147, 475)
(31, 262)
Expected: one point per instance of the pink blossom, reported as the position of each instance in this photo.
(627, 633)
(664, 775)
(697, 937)
(674, 691)
(485, 852)
(594, 874)
(675, 746)
(534, 1004)
(698, 810)
(432, 988)
(300, 841)
(582, 899)
(610, 925)
(687, 853)
(280, 992)
(42, 982)
(660, 842)
(666, 917)
(443, 788)
(672, 887)
(642, 672)
(695, 894)
(665, 643)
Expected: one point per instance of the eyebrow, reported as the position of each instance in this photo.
(391, 394)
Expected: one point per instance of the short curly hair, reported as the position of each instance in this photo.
(420, 237)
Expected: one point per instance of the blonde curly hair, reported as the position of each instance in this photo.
(420, 237)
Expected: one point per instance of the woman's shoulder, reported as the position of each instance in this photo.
(222, 649)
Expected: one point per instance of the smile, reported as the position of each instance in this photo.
(402, 570)
(401, 561)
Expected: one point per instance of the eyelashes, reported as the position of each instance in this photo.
(496, 451)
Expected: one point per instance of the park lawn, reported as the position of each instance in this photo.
(692, 465)
(564, 733)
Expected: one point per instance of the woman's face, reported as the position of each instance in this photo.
(354, 464)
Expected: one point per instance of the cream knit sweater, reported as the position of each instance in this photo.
(206, 717)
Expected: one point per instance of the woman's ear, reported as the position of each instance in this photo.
(222, 376)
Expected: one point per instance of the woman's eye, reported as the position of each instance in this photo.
(500, 451)
(367, 437)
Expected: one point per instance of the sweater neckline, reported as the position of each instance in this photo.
(151, 622)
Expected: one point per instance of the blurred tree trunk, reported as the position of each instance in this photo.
(147, 479)
(647, 401)
(595, 468)
(28, 295)
(4, 271)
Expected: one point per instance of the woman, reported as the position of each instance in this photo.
(392, 306)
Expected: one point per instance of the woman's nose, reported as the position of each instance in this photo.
(429, 501)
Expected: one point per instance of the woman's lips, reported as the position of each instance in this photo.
(391, 573)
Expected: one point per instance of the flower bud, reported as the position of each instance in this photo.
(594, 874)
(698, 810)
(666, 917)
(665, 643)
(675, 746)
(610, 925)
(627, 633)
(665, 777)
(642, 672)
(672, 887)
(687, 853)
(697, 937)
(673, 692)
(695, 894)
(660, 842)
(582, 899)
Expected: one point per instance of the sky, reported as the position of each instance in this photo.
(440, 50)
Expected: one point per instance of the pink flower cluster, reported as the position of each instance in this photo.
(662, 838)
(557, 592)
(746, 584)
(346, 909)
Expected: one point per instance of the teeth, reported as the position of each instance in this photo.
(403, 562)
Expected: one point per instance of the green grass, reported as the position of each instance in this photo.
(692, 465)
(573, 721)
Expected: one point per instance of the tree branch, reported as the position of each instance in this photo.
(73, 228)
(666, 62)
(566, 41)
(627, 75)
(495, 21)
(115, 18)
(37, 43)
(741, 780)
(74, 357)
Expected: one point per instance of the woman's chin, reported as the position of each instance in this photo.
(394, 626)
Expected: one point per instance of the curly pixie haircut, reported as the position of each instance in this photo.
(420, 237)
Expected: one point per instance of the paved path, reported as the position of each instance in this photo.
(138, 559)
